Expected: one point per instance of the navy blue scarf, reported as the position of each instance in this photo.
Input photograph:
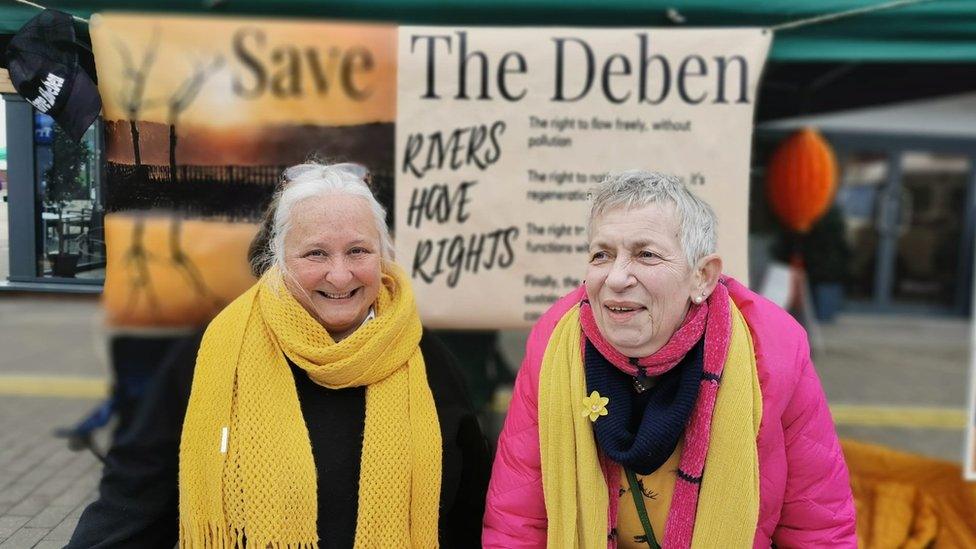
(641, 431)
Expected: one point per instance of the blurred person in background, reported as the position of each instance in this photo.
(321, 412)
(663, 403)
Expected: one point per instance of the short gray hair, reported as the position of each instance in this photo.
(639, 188)
(306, 181)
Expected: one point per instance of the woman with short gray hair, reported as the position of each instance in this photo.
(662, 403)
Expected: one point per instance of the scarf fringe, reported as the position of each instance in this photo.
(216, 536)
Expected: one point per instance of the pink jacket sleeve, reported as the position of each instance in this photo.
(515, 512)
(818, 507)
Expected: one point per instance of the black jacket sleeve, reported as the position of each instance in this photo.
(138, 498)
(138, 494)
(467, 457)
(464, 519)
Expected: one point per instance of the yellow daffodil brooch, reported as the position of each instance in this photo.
(595, 406)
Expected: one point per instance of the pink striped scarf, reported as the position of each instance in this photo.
(713, 318)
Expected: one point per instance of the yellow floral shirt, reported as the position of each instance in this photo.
(657, 488)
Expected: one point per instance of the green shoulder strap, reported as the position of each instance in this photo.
(635, 491)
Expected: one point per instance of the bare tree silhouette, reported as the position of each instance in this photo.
(136, 261)
(181, 100)
(134, 77)
(187, 268)
(137, 258)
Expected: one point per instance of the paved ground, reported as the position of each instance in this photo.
(43, 486)
(898, 362)
(903, 362)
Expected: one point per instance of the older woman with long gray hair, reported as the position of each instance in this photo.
(321, 414)
(662, 403)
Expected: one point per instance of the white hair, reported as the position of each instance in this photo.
(639, 188)
(306, 181)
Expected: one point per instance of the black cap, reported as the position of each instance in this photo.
(43, 60)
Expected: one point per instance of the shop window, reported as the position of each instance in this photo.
(70, 237)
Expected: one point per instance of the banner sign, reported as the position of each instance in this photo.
(483, 143)
(503, 132)
(201, 117)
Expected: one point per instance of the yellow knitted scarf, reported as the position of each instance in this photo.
(575, 490)
(246, 466)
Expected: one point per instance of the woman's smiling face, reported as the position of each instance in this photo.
(332, 253)
(639, 283)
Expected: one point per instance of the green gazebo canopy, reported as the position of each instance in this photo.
(939, 31)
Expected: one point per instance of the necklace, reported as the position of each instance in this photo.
(641, 384)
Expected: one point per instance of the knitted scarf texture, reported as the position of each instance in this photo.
(246, 465)
(719, 508)
(663, 410)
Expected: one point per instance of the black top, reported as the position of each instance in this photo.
(138, 494)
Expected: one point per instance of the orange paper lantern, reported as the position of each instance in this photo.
(801, 179)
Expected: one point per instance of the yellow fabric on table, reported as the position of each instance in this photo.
(909, 501)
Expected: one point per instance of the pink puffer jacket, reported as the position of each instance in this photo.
(804, 490)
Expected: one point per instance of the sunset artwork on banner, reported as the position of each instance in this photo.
(201, 116)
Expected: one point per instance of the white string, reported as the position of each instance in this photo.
(40, 7)
(844, 14)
